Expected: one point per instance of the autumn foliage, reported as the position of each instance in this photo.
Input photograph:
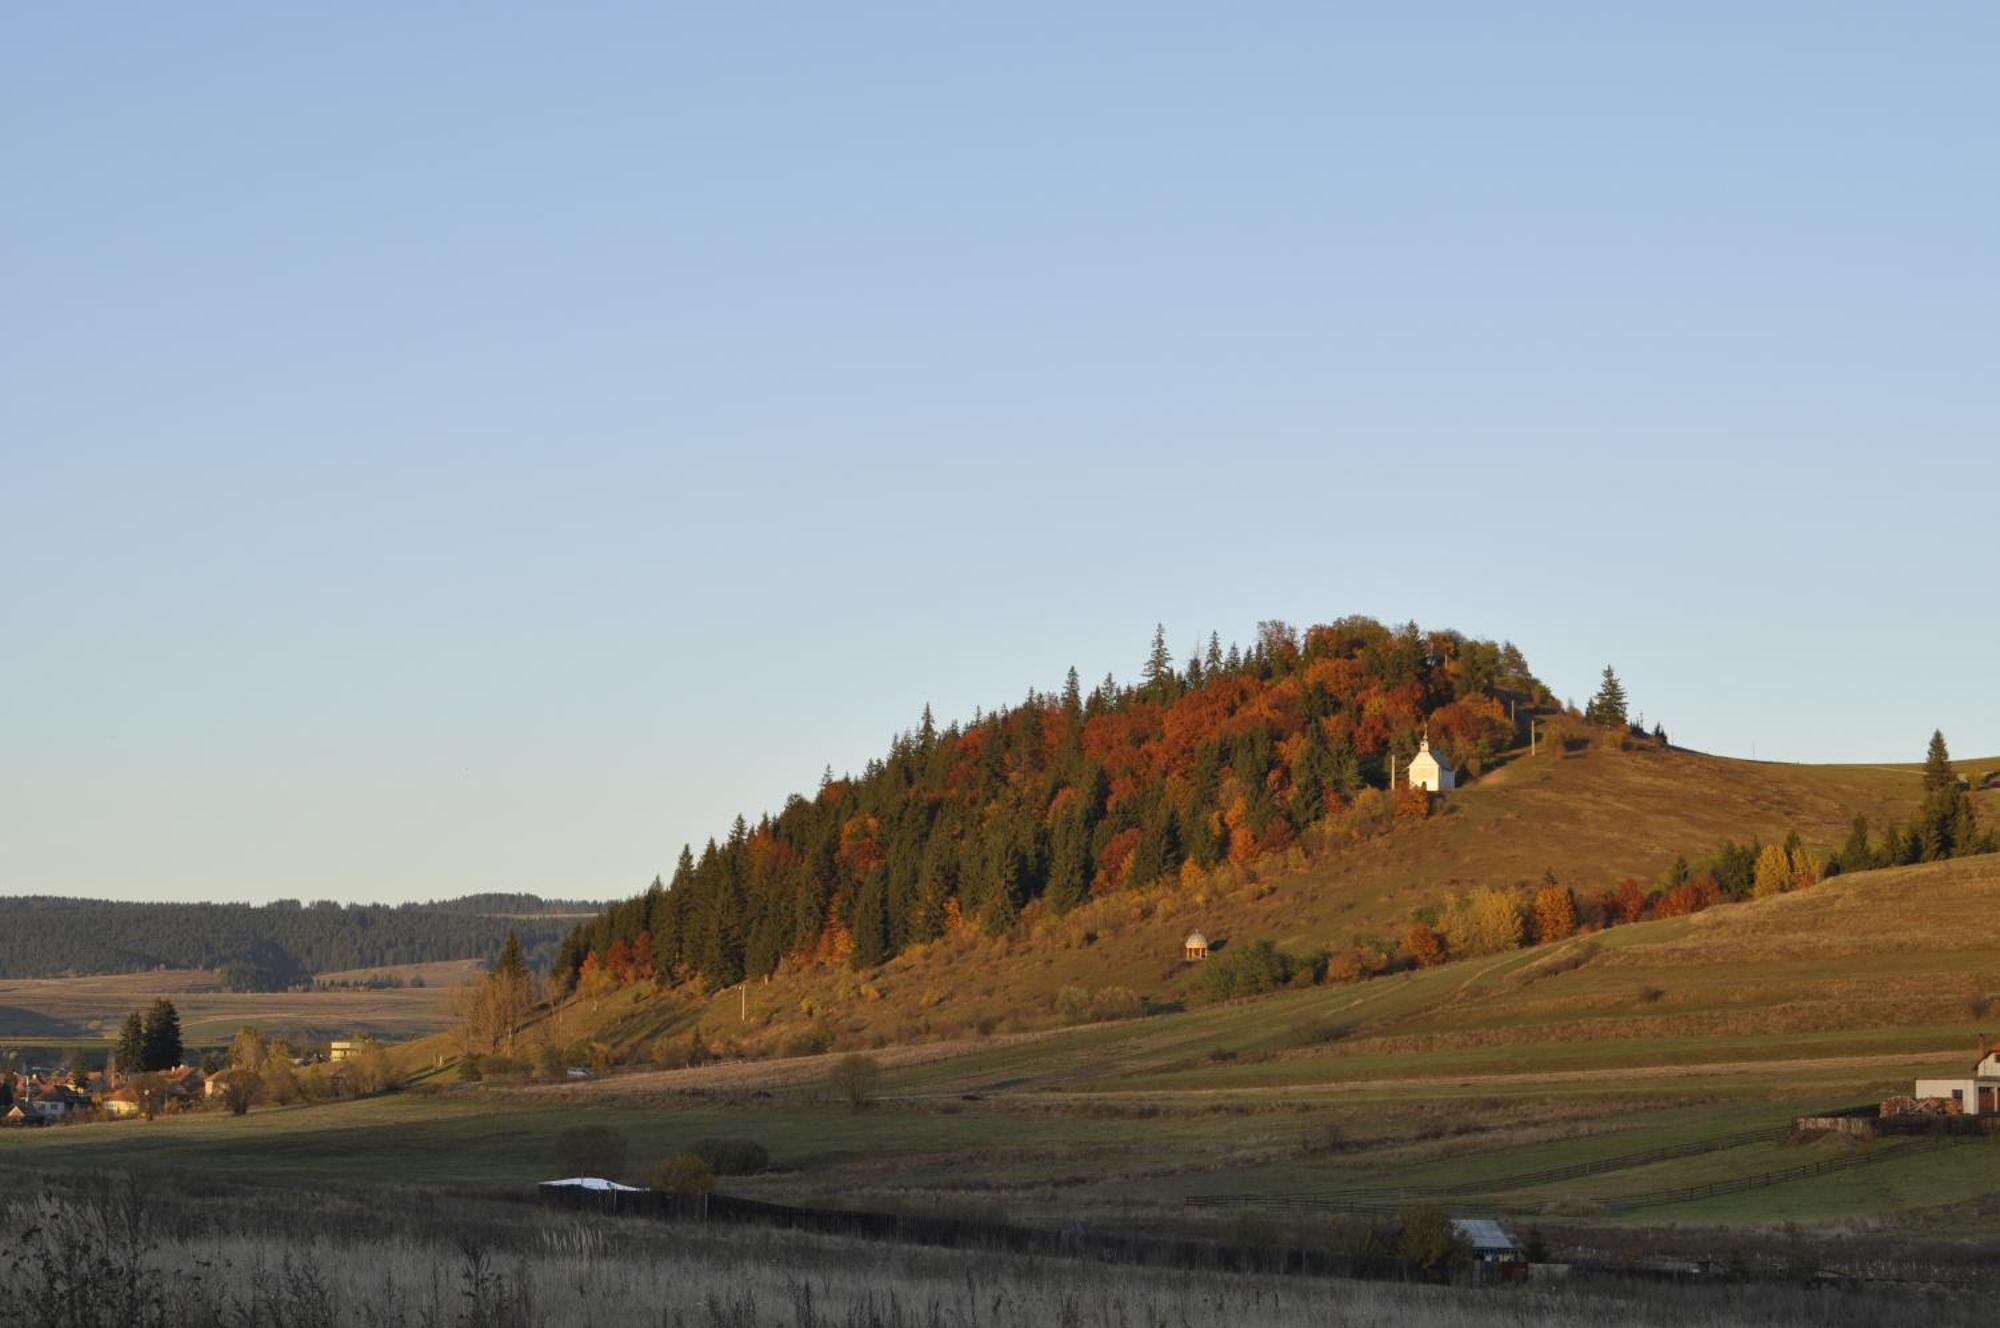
(1227, 759)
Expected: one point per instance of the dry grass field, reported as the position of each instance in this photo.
(207, 1254)
(88, 1010)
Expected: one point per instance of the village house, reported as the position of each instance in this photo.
(53, 1102)
(1976, 1095)
(1428, 771)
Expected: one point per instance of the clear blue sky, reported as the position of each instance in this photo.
(485, 448)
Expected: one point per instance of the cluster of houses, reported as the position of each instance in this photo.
(55, 1096)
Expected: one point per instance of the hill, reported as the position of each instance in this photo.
(1231, 759)
(265, 947)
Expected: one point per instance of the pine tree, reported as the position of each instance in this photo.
(1072, 696)
(1213, 660)
(130, 1056)
(1938, 774)
(1069, 859)
(1857, 854)
(510, 963)
(160, 1037)
(1607, 708)
(1159, 667)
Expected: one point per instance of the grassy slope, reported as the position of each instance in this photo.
(1592, 816)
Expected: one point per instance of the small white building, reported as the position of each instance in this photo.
(1977, 1095)
(1429, 771)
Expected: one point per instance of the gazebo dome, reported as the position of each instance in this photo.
(1196, 938)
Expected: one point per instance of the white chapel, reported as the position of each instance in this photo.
(1428, 771)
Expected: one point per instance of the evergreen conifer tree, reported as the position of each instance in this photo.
(1213, 660)
(129, 1057)
(511, 963)
(160, 1037)
(1159, 668)
(1938, 774)
(1608, 706)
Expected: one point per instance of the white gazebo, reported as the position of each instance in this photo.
(1428, 771)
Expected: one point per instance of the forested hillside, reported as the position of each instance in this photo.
(1231, 757)
(261, 947)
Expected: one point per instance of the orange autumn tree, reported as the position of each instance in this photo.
(1555, 913)
(1422, 943)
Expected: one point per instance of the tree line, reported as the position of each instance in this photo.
(265, 947)
(1224, 758)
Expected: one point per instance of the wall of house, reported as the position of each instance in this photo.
(1964, 1089)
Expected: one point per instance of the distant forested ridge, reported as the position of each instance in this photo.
(1229, 757)
(267, 946)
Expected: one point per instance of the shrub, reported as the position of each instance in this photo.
(468, 1068)
(732, 1157)
(238, 1092)
(504, 1067)
(590, 1150)
(1250, 970)
(683, 1173)
(1116, 1003)
(1072, 1004)
(806, 1042)
(1650, 995)
(548, 1062)
(1425, 1237)
(854, 1077)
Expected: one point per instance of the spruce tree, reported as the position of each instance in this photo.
(130, 1056)
(1608, 706)
(1213, 660)
(1159, 667)
(160, 1037)
(1072, 696)
(511, 963)
(1938, 774)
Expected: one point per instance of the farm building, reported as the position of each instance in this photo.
(339, 1051)
(1429, 771)
(1976, 1095)
(1195, 947)
(1493, 1247)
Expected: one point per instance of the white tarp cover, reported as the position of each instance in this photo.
(594, 1183)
